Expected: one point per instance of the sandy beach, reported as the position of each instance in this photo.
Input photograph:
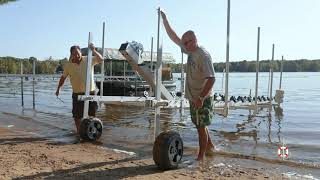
(227, 75)
(24, 156)
(30, 149)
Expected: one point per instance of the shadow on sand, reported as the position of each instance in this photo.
(85, 172)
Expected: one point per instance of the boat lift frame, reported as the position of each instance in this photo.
(133, 58)
(167, 100)
(168, 146)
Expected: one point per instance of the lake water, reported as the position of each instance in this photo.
(298, 126)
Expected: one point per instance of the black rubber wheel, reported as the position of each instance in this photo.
(91, 129)
(168, 150)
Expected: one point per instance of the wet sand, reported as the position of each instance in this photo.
(58, 154)
(23, 156)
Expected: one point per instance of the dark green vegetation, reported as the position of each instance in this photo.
(11, 65)
(6, 1)
(302, 65)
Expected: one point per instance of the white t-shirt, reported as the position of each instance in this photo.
(199, 68)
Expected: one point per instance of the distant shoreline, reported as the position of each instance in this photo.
(12, 65)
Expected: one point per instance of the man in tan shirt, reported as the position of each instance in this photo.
(76, 71)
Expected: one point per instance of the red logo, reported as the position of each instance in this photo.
(283, 152)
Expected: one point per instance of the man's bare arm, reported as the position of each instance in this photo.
(208, 86)
(205, 91)
(61, 82)
(171, 33)
(96, 53)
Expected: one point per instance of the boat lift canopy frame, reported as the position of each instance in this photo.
(168, 101)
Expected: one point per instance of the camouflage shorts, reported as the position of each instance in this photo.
(203, 116)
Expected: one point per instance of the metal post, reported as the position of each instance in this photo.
(281, 70)
(159, 60)
(124, 78)
(182, 75)
(182, 86)
(223, 72)
(111, 68)
(158, 79)
(151, 56)
(268, 93)
(21, 73)
(102, 65)
(257, 73)
(33, 83)
(226, 106)
(135, 86)
(151, 59)
(111, 78)
(88, 78)
(250, 108)
(271, 72)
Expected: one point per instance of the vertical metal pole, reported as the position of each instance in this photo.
(250, 108)
(135, 86)
(88, 77)
(21, 73)
(226, 106)
(223, 72)
(151, 59)
(151, 55)
(33, 83)
(102, 65)
(271, 72)
(159, 60)
(182, 85)
(182, 76)
(158, 79)
(268, 93)
(111, 68)
(111, 78)
(124, 78)
(281, 70)
(257, 73)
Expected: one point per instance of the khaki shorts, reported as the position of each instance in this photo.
(202, 117)
(77, 106)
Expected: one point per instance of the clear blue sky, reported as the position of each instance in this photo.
(43, 28)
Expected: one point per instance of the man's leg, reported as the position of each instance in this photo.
(77, 121)
(210, 146)
(203, 142)
(93, 106)
(77, 111)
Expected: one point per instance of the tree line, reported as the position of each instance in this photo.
(12, 65)
(302, 65)
(6, 1)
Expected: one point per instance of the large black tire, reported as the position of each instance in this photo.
(168, 150)
(91, 129)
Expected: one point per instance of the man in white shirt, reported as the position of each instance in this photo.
(200, 77)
